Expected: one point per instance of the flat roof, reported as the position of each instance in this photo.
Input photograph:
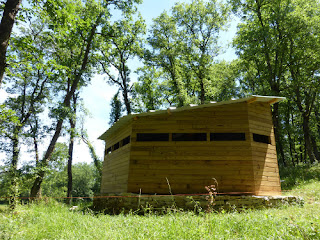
(126, 119)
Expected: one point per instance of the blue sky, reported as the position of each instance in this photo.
(98, 94)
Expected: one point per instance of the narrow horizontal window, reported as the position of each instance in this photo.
(116, 146)
(109, 150)
(126, 141)
(227, 137)
(261, 138)
(189, 137)
(150, 137)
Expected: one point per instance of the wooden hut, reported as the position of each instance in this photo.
(181, 150)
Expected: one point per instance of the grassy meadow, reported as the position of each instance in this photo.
(53, 220)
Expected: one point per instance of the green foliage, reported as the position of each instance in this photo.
(120, 43)
(278, 46)
(148, 91)
(223, 76)
(85, 176)
(8, 119)
(116, 109)
(184, 46)
(300, 175)
(84, 180)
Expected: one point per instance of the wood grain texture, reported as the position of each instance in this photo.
(190, 166)
(116, 167)
(234, 166)
(264, 156)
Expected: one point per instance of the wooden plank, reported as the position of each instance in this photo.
(176, 189)
(190, 158)
(168, 171)
(266, 174)
(118, 136)
(209, 163)
(256, 120)
(184, 167)
(216, 144)
(205, 147)
(192, 128)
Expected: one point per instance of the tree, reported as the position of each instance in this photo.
(85, 179)
(122, 42)
(149, 93)
(73, 123)
(30, 80)
(303, 29)
(55, 182)
(276, 43)
(10, 11)
(199, 26)
(166, 55)
(75, 26)
(96, 161)
(184, 47)
(262, 47)
(116, 109)
(223, 76)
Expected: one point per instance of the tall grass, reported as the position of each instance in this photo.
(54, 220)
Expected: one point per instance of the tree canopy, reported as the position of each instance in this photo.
(60, 45)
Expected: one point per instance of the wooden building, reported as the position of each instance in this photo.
(182, 150)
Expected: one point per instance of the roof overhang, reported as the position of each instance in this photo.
(128, 118)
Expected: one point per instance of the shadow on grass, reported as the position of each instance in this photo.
(294, 176)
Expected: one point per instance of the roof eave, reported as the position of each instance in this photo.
(126, 119)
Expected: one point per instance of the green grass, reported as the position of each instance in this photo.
(300, 175)
(54, 221)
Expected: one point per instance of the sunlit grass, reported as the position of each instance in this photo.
(55, 221)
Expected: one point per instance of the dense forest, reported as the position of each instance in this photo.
(57, 46)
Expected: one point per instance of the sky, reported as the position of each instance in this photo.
(97, 96)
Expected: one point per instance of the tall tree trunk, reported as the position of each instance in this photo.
(315, 147)
(302, 154)
(126, 100)
(34, 132)
(72, 122)
(9, 14)
(316, 113)
(294, 140)
(35, 190)
(307, 138)
(66, 103)
(287, 117)
(70, 158)
(36, 149)
(276, 123)
(202, 92)
(13, 169)
(291, 144)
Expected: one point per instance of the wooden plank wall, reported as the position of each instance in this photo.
(264, 156)
(190, 166)
(116, 164)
